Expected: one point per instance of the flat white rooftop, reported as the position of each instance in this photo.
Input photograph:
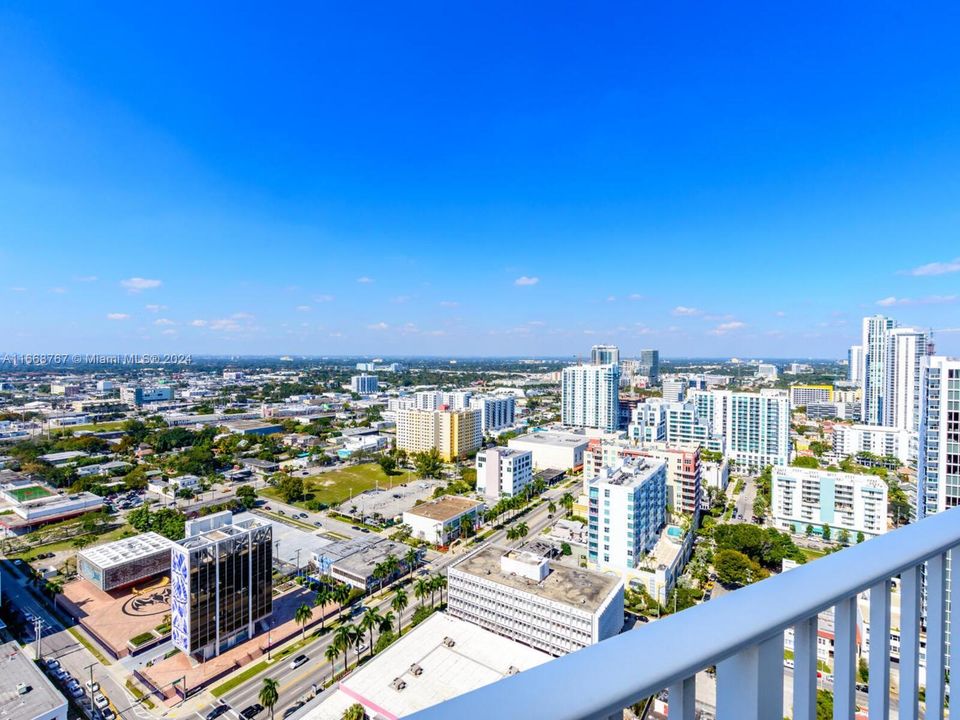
(43, 699)
(477, 657)
(123, 551)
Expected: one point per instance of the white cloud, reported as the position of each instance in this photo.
(163, 321)
(524, 281)
(58, 290)
(242, 316)
(118, 316)
(780, 313)
(929, 300)
(198, 323)
(400, 299)
(139, 284)
(364, 280)
(724, 328)
(635, 297)
(168, 332)
(449, 303)
(611, 298)
(378, 326)
(936, 268)
(155, 308)
(87, 278)
(323, 298)
(18, 289)
(536, 323)
(303, 308)
(684, 311)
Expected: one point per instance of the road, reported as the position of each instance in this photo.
(57, 642)
(744, 506)
(298, 682)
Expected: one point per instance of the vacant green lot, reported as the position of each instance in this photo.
(336, 486)
(31, 492)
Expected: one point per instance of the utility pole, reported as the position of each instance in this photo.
(38, 629)
(90, 668)
(298, 562)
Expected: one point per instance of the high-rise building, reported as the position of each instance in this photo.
(906, 347)
(605, 355)
(851, 440)
(496, 412)
(221, 584)
(455, 434)
(938, 459)
(650, 365)
(502, 472)
(755, 426)
(364, 384)
(627, 509)
(855, 364)
(590, 396)
(674, 388)
(873, 371)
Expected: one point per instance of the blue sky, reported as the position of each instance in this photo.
(486, 178)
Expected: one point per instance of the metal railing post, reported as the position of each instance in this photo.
(879, 690)
(909, 643)
(805, 669)
(682, 699)
(936, 635)
(845, 659)
(750, 683)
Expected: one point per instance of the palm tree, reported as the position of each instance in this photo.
(420, 590)
(386, 624)
(441, 582)
(379, 572)
(411, 559)
(344, 637)
(567, 502)
(320, 600)
(331, 654)
(399, 603)
(371, 619)
(341, 594)
(302, 616)
(269, 694)
(354, 712)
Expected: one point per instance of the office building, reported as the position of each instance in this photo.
(841, 501)
(551, 607)
(648, 422)
(503, 472)
(873, 367)
(674, 388)
(755, 426)
(906, 347)
(803, 395)
(221, 585)
(882, 442)
(441, 521)
(26, 693)
(605, 355)
(496, 412)
(590, 396)
(767, 371)
(137, 395)
(364, 384)
(552, 450)
(627, 510)
(126, 561)
(855, 364)
(683, 425)
(650, 365)
(455, 434)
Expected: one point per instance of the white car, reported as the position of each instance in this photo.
(100, 701)
(92, 686)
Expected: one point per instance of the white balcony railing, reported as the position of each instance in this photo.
(742, 635)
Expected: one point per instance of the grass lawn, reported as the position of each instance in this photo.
(336, 486)
(811, 553)
(94, 427)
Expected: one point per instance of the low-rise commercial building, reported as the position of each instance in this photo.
(40, 699)
(558, 450)
(552, 607)
(851, 440)
(125, 562)
(439, 521)
(821, 498)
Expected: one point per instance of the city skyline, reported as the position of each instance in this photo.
(338, 193)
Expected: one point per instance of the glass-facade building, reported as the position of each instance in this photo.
(222, 585)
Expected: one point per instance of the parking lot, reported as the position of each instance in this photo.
(389, 503)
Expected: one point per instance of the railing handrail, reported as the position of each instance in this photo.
(602, 679)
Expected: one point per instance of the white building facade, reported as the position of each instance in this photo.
(590, 396)
(503, 472)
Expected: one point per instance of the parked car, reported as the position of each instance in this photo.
(298, 661)
(108, 714)
(75, 691)
(93, 686)
(317, 523)
(100, 701)
(52, 663)
(217, 711)
(251, 712)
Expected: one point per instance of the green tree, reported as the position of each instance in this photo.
(387, 463)
(860, 536)
(566, 549)
(428, 464)
(370, 620)
(354, 712)
(331, 654)
(341, 593)
(806, 461)
(399, 604)
(345, 636)
(809, 531)
(269, 694)
(843, 537)
(247, 495)
(421, 589)
(302, 616)
(290, 488)
(567, 502)
(826, 532)
(736, 569)
(320, 600)
(466, 527)
(411, 559)
(863, 670)
(824, 705)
